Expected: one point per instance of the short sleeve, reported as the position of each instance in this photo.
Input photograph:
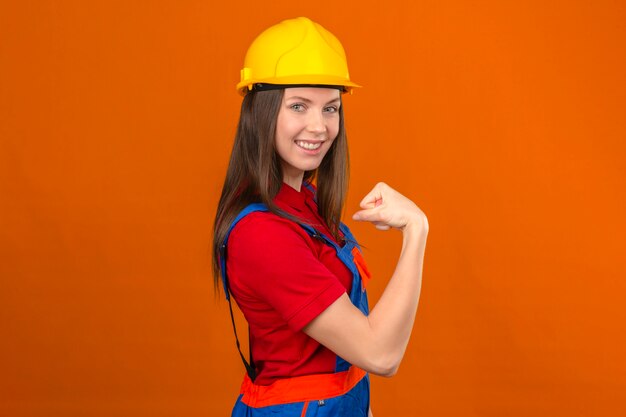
(274, 260)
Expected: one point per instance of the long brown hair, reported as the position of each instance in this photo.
(254, 173)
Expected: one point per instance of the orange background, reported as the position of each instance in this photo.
(504, 121)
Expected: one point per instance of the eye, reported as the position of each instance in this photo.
(299, 107)
(331, 109)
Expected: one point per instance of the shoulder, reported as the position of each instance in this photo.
(262, 228)
(264, 247)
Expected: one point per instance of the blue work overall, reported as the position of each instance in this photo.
(344, 393)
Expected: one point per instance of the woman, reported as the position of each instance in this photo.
(280, 248)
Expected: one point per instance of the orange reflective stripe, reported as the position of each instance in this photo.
(306, 405)
(300, 388)
(366, 275)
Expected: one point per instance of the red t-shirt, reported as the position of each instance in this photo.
(282, 278)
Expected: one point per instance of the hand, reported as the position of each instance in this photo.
(386, 208)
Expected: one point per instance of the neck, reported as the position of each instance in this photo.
(293, 179)
(295, 186)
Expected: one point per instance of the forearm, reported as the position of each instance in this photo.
(391, 320)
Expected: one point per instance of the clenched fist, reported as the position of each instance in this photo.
(386, 208)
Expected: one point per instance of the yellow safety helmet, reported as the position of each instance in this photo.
(295, 52)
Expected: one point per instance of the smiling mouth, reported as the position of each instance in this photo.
(308, 145)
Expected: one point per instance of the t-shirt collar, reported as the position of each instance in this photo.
(291, 197)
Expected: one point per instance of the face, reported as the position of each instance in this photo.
(307, 125)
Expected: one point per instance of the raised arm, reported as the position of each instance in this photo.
(376, 343)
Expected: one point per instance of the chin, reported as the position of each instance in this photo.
(309, 167)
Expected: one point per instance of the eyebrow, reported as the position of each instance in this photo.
(306, 100)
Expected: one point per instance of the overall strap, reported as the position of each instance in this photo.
(250, 370)
(247, 210)
(311, 188)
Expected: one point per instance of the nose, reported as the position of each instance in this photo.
(316, 122)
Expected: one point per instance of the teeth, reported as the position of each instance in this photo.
(307, 145)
